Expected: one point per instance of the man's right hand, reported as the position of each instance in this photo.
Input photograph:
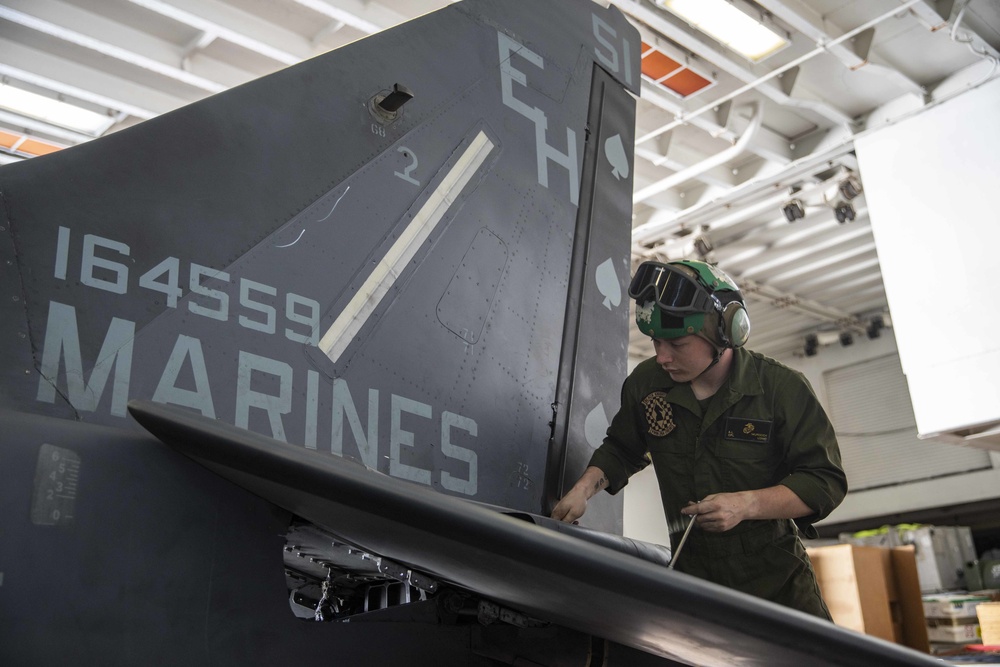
(574, 504)
(571, 507)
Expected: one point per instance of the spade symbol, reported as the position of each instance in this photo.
(614, 150)
(595, 426)
(607, 284)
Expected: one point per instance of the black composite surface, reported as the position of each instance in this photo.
(544, 573)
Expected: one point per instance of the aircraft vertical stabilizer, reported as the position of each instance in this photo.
(410, 252)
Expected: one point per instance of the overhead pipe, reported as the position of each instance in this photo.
(708, 163)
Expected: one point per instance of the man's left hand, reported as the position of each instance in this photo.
(719, 512)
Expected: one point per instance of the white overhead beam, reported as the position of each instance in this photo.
(7, 158)
(708, 163)
(234, 26)
(933, 20)
(864, 264)
(56, 73)
(831, 268)
(767, 143)
(778, 234)
(733, 227)
(792, 172)
(806, 21)
(788, 301)
(107, 49)
(368, 17)
(24, 125)
(710, 177)
(807, 254)
(74, 91)
(867, 284)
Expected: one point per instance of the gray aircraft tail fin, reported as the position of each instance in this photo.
(411, 251)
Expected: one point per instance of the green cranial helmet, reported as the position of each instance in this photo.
(689, 297)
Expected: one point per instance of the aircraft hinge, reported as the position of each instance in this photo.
(401, 573)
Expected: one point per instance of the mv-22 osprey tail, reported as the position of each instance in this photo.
(377, 302)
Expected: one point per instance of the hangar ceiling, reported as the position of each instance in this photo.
(748, 164)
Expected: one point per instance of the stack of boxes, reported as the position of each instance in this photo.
(952, 618)
(942, 552)
(947, 570)
(872, 590)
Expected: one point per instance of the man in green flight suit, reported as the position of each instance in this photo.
(740, 443)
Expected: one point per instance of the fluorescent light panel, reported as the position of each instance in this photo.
(729, 25)
(53, 111)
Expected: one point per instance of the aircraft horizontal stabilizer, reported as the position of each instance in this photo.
(544, 574)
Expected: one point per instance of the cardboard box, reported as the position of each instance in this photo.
(964, 633)
(989, 620)
(873, 590)
(952, 605)
(942, 552)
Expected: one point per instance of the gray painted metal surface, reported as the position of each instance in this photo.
(282, 258)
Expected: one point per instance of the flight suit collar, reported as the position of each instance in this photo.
(743, 380)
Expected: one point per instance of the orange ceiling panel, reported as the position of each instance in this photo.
(656, 64)
(686, 83)
(36, 147)
(672, 75)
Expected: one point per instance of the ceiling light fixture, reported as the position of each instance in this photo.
(844, 211)
(812, 344)
(728, 24)
(53, 111)
(874, 329)
(703, 245)
(794, 210)
(850, 187)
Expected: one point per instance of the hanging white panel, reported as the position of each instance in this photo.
(931, 187)
(870, 409)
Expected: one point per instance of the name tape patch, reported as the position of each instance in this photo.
(748, 430)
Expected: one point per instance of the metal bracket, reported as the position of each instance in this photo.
(402, 573)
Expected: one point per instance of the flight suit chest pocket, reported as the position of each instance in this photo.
(677, 443)
(746, 438)
(674, 453)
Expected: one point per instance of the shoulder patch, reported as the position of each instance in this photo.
(659, 414)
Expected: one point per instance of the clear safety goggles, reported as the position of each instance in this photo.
(671, 288)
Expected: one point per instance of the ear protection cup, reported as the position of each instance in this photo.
(735, 324)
